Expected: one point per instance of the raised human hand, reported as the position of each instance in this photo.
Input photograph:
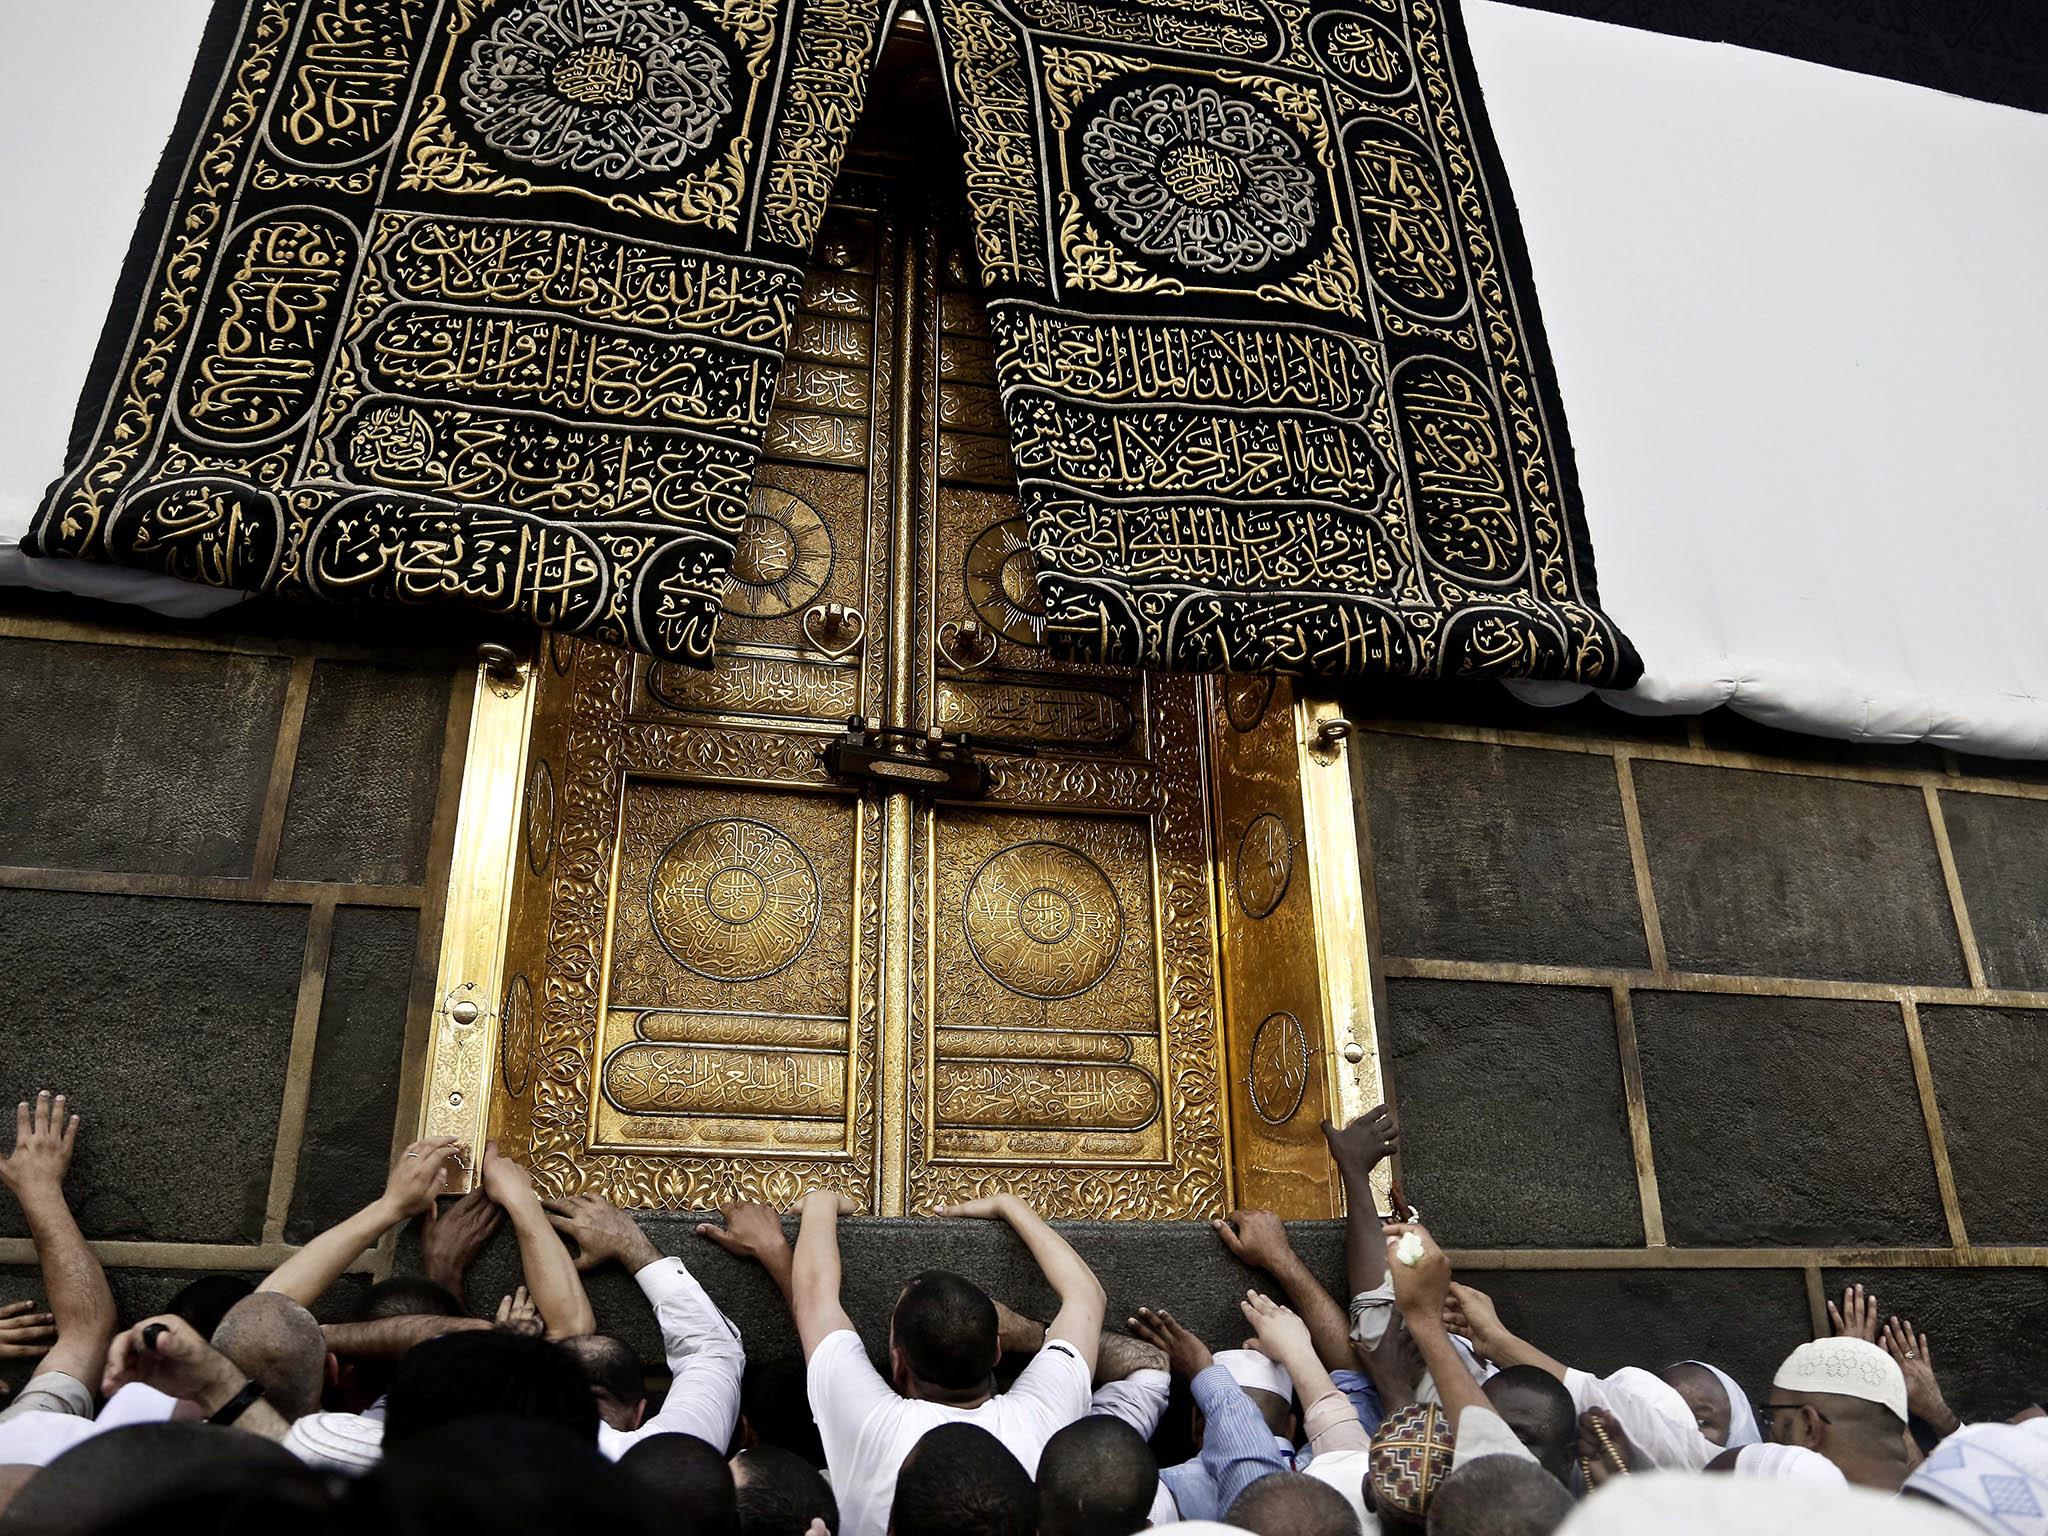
(168, 1354)
(1469, 1313)
(506, 1180)
(1257, 1238)
(1420, 1288)
(986, 1208)
(1916, 1361)
(1366, 1142)
(752, 1231)
(840, 1203)
(1186, 1356)
(25, 1333)
(602, 1232)
(44, 1135)
(418, 1176)
(451, 1238)
(517, 1314)
(1604, 1450)
(1856, 1317)
(1282, 1335)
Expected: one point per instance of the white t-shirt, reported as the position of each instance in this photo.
(39, 1437)
(868, 1430)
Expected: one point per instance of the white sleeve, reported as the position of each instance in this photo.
(705, 1361)
(1651, 1414)
(1139, 1400)
(1482, 1432)
(845, 1391)
(1057, 1386)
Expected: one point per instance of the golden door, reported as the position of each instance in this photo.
(1028, 925)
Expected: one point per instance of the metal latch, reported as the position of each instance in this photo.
(898, 758)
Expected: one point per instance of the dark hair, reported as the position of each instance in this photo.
(408, 1296)
(946, 1328)
(780, 1494)
(1498, 1496)
(776, 1403)
(609, 1366)
(1293, 1504)
(1554, 1425)
(207, 1300)
(1096, 1477)
(501, 1474)
(959, 1481)
(133, 1478)
(691, 1481)
(486, 1374)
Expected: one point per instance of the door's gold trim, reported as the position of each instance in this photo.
(1343, 961)
(463, 1044)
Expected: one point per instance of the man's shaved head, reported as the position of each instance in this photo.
(275, 1341)
(1292, 1504)
(1498, 1496)
(1096, 1478)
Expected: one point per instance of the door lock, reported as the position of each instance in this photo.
(897, 758)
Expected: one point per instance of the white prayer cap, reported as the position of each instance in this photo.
(343, 1442)
(1700, 1504)
(1995, 1475)
(1793, 1462)
(1845, 1368)
(1249, 1368)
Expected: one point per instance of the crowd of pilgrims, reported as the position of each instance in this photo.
(1415, 1409)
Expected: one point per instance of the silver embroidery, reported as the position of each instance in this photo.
(1208, 181)
(607, 88)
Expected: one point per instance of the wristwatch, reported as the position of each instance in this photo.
(237, 1405)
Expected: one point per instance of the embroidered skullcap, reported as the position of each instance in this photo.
(1845, 1368)
(1249, 1368)
(1410, 1455)
(1994, 1475)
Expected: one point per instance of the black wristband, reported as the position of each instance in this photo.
(237, 1405)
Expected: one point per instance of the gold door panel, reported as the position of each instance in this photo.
(685, 962)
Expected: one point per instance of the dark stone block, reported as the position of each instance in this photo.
(1987, 1330)
(169, 1022)
(140, 1293)
(1744, 1320)
(362, 807)
(1989, 1066)
(1785, 1122)
(1514, 1130)
(1500, 853)
(1767, 874)
(351, 1114)
(126, 758)
(2001, 849)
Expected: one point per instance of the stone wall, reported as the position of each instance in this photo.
(219, 911)
(1691, 1022)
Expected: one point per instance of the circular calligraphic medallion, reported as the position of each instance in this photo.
(1264, 865)
(540, 816)
(1043, 920)
(734, 900)
(1279, 1072)
(610, 89)
(1245, 700)
(1002, 582)
(783, 558)
(516, 1032)
(1205, 180)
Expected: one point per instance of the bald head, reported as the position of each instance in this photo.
(275, 1341)
(1498, 1496)
(1292, 1504)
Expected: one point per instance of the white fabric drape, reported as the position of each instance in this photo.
(1798, 317)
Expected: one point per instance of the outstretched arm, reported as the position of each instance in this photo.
(386, 1338)
(1359, 1148)
(1327, 1417)
(1259, 1238)
(550, 1272)
(753, 1231)
(167, 1354)
(1420, 1290)
(81, 1306)
(416, 1178)
(1082, 1299)
(1469, 1313)
(814, 1274)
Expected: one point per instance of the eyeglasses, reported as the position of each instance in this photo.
(1767, 1413)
